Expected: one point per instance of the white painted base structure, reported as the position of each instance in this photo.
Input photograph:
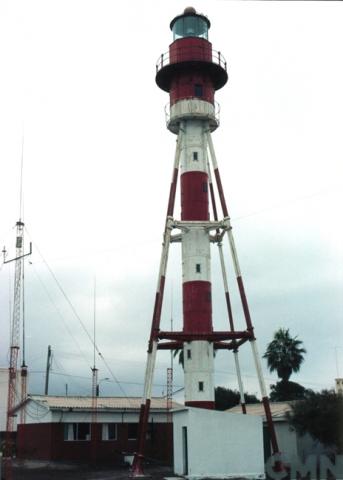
(214, 444)
(198, 368)
(4, 397)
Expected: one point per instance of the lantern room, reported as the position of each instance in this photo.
(190, 24)
(191, 68)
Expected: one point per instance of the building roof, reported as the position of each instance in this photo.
(103, 403)
(278, 409)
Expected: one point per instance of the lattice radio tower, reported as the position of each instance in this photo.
(17, 321)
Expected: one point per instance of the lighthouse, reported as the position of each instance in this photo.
(191, 72)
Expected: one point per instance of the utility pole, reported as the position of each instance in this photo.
(48, 367)
(95, 386)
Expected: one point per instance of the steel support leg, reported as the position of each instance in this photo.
(137, 466)
(227, 295)
(235, 351)
(244, 301)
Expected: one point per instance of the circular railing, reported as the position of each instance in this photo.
(190, 53)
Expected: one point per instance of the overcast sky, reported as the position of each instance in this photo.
(78, 78)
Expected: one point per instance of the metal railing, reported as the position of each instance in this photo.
(191, 53)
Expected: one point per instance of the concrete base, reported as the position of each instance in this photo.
(217, 445)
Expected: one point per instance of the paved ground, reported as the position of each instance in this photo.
(56, 471)
(41, 471)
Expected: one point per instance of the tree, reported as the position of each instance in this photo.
(226, 398)
(286, 391)
(284, 354)
(178, 352)
(321, 415)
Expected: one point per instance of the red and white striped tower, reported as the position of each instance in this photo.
(191, 72)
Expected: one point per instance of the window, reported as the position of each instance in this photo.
(189, 354)
(190, 26)
(204, 187)
(198, 90)
(198, 268)
(77, 432)
(195, 156)
(201, 386)
(109, 431)
(132, 431)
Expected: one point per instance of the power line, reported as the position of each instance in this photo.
(60, 315)
(323, 191)
(87, 378)
(79, 319)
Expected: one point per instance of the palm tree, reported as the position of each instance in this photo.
(284, 354)
(178, 352)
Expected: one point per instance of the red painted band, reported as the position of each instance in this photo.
(225, 345)
(159, 303)
(221, 193)
(271, 427)
(213, 201)
(137, 467)
(201, 404)
(170, 346)
(194, 196)
(243, 340)
(229, 310)
(207, 336)
(197, 307)
(192, 84)
(190, 49)
(152, 331)
(156, 317)
(172, 193)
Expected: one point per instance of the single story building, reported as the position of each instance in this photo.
(59, 429)
(295, 447)
(216, 444)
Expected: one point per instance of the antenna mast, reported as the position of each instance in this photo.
(23, 371)
(17, 318)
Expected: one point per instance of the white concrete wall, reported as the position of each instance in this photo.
(287, 440)
(36, 413)
(307, 445)
(4, 395)
(220, 444)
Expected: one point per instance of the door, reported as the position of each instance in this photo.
(185, 450)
